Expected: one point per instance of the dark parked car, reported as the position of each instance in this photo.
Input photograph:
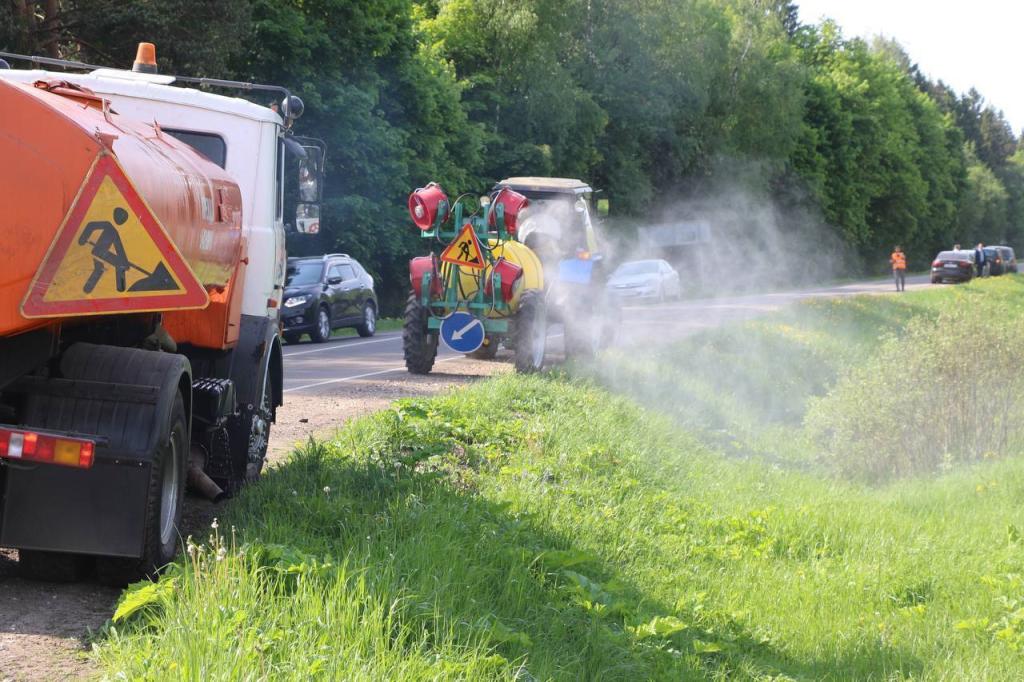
(324, 293)
(994, 264)
(1008, 257)
(953, 266)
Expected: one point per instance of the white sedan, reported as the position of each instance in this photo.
(652, 280)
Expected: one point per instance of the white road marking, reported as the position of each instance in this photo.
(397, 337)
(339, 380)
(377, 373)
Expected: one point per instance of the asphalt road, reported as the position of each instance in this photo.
(322, 369)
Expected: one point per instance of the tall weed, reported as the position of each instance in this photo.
(945, 391)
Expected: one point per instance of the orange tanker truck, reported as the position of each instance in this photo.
(142, 263)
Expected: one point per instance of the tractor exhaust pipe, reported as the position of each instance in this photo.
(197, 479)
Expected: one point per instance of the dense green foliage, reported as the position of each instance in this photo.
(536, 528)
(866, 388)
(653, 101)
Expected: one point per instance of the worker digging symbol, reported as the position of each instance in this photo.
(465, 250)
(465, 254)
(108, 250)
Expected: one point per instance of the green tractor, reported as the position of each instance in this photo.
(527, 255)
(484, 288)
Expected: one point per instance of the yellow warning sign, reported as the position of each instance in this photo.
(111, 255)
(465, 250)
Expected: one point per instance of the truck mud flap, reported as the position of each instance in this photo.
(101, 510)
(125, 396)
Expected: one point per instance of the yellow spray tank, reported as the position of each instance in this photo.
(519, 254)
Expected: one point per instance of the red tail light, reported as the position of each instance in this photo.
(936, 264)
(30, 446)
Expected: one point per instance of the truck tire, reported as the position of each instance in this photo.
(369, 325)
(531, 332)
(322, 328)
(163, 508)
(249, 439)
(418, 344)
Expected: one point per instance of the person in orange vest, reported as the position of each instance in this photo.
(899, 267)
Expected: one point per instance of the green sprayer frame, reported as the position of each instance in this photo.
(480, 305)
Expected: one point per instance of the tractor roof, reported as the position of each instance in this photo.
(566, 185)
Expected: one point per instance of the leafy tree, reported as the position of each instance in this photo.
(647, 99)
(984, 206)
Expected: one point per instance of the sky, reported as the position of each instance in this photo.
(966, 44)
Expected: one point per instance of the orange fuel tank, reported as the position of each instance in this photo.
(51, 136)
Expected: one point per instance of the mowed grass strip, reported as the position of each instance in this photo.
(545, 528)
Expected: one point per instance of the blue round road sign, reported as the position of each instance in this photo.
(462, 332)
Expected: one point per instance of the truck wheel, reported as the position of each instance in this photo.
(369, 325)
(163, 508)
(322, 329)
(249, 436)
(418, 344)
(531, 332)
(488, 351)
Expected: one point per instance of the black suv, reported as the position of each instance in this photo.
(324, 293)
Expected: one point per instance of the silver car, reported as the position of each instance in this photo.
(647, 280)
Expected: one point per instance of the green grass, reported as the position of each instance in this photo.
(547, 528)
(384, 324)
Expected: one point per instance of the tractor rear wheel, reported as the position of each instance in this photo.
(418, 344)
(531, 332)
(588, 333)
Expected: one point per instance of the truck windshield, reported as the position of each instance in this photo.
(302, 274)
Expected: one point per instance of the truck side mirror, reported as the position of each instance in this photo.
(307, 218)
(310, 175)
(311, 155)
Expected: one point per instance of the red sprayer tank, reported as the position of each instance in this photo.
(53, 138)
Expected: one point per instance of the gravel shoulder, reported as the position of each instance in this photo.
(44, 627)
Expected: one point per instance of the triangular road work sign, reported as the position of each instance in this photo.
(465, 250)
(111, 255)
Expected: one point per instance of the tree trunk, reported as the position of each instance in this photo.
(51, 28)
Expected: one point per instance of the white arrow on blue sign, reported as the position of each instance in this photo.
(462, 332)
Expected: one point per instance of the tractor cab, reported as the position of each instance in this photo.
(556, 224)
